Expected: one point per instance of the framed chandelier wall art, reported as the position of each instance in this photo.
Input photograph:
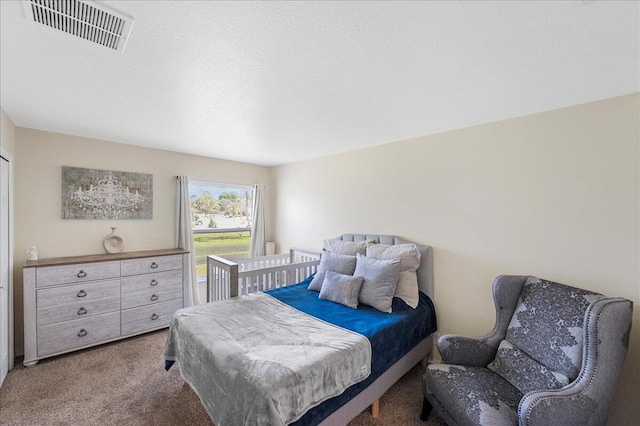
(106, 194)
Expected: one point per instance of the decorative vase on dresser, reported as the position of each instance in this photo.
(72, 303)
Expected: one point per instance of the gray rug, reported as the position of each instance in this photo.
(125, 383)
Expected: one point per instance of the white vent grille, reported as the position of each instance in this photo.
(84, 19)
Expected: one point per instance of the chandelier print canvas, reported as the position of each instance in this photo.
(106, 194)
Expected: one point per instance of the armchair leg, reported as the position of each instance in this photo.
(426, 410)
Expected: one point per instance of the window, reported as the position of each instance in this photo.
(221, 221)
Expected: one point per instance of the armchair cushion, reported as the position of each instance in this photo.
(475, 394)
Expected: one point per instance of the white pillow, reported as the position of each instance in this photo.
(346, 247)
(407, 288)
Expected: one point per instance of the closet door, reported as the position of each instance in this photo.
(4, 269)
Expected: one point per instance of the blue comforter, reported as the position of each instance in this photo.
(391, 335)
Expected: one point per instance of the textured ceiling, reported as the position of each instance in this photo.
(276, 82)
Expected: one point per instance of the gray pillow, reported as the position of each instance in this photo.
(346, 247)
(340, 288)
(380, 280)
(523, 372)
(340, 263)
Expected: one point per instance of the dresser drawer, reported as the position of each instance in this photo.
(151, 264)
(78, 310)
(67, 294)
(77, 333)
(151, 288)
(149, 317)
(80, 272)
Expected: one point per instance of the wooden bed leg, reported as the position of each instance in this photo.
(375, 409)
(424, 362)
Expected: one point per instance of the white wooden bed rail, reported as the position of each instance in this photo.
(227, 278)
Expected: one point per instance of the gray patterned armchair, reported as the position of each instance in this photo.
(553, 358)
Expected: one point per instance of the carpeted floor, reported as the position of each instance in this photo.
(124, 383)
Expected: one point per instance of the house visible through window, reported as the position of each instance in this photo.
(221, 221)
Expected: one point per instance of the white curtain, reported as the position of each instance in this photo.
(257, 246)
(184, 236)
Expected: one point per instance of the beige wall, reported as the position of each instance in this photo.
(554, 194)
(7, 133)
(40, 156)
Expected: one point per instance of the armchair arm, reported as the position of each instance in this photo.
(585, 401)
(480, 351)
(471, 351)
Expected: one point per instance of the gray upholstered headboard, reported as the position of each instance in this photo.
(424, 272)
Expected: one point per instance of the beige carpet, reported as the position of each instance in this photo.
(124, 383)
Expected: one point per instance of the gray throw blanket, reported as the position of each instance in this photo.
(254, 360)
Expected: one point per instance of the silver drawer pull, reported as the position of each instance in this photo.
(154, 317)
(82, 332)
(81, 274)
(154, 297)
(154, 282)
(154, 265)
(82, 293)
(82, 311)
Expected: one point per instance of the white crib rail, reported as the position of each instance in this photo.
(252, 263)
(227, 279)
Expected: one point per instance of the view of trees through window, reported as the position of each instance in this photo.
(221, 221)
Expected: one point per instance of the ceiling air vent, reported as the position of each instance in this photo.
(82, 18)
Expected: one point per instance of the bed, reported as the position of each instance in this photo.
(236, 386)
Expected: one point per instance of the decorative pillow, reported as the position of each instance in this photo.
(523, 372)
(340, 288)
(380, 280)
(407, 288)
(548, 323)
(346, 247)
(340, 263)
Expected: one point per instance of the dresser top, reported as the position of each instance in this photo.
(102, 257)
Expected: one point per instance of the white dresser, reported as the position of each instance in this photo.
(72, 303)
